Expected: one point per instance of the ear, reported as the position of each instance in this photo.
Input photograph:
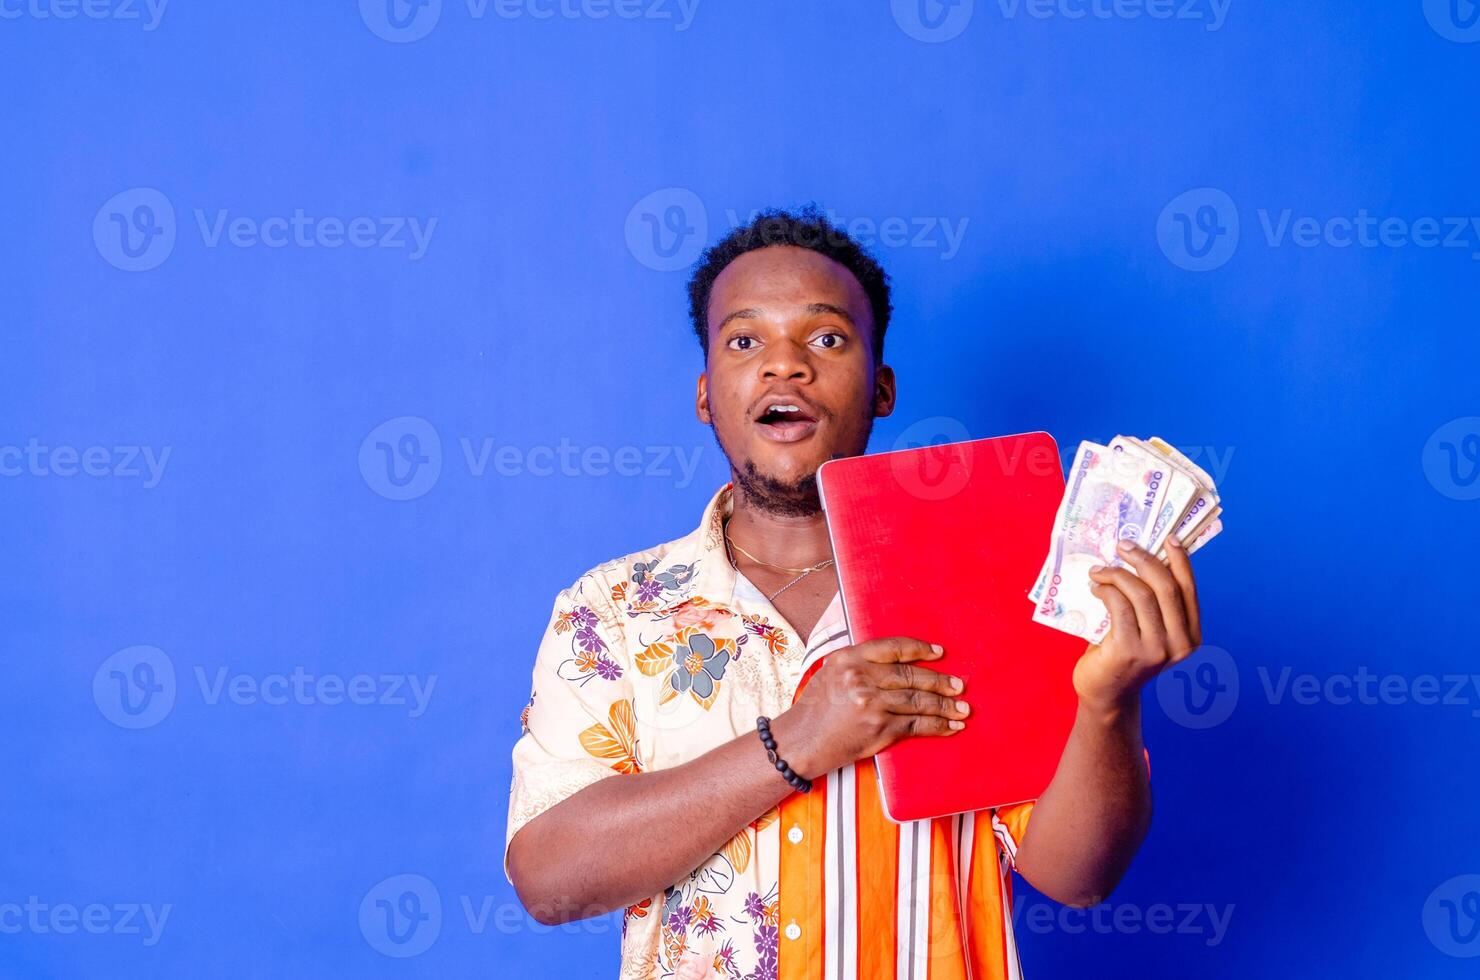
(701, 399)
(883, 391)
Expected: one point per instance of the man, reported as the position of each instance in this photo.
(656, 667)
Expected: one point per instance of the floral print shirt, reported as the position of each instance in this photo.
(658, 657)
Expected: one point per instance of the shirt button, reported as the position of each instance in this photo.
(794, 834)
(793, 930)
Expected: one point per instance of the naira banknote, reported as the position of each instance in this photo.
(1202, 521)
(1164, 492)
(1113, 494)
(1144, 491)
(1180, 489)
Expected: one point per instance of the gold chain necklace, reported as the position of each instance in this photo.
(802, 572)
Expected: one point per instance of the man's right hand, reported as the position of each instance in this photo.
(865, 698)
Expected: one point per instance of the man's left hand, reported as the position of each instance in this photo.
(1154, 623)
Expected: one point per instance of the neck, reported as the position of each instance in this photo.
(782, 539)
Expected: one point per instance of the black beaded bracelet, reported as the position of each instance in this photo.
(763, 726)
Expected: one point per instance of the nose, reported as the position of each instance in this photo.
(787, 360)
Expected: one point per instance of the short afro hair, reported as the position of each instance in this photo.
(806, 228)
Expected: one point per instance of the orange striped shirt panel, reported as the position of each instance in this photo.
(864, 897)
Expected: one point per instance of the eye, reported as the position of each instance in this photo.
(742, 342)
(829, 341)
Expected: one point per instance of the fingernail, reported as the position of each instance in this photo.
(1096, 568)
(956, 726)
(963, 707)
(937, 648)
(956, 684)
(1174, 542)
(1127, 546)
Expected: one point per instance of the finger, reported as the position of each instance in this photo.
(1142, 600)
(1148, 568)
(1168, 596)
(926, 725)
(917, 702)
(1122, 613)
(898, 676)
(898, 649)
(1181, 564)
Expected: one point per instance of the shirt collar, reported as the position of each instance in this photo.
(704, 550)
(715, 578)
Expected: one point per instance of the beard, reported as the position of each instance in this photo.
(767, 493)
(795, 498)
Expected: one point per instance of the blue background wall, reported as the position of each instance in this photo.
(1328, 823)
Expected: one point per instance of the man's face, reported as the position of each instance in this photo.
(791, 380)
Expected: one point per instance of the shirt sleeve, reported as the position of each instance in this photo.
(1010, 824)
(578, 724)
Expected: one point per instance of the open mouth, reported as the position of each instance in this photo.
(784, 421)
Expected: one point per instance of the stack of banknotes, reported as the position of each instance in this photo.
(1141, 490)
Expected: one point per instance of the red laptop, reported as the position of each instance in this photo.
(942, 543)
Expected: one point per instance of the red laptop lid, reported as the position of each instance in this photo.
(942, 543)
